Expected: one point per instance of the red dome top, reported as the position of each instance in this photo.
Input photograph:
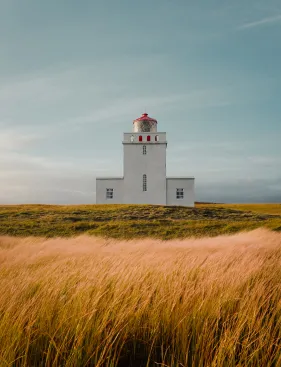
(145, 117)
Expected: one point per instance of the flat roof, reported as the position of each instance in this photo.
(167, 178)
(181, 178)
(109, 178)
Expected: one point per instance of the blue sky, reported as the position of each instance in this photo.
(74, 74)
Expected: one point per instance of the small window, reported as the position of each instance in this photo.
(144, 150)
(148, 138)
(180, 193)
(109, 193)
(156, 138)
(132, 138)
(144, 183)
(140, 138)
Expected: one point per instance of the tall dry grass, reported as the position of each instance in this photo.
(93, 302)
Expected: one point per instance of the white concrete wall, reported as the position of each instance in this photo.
(180, 183)
(160, 189)
(153, 164)
(116, 184)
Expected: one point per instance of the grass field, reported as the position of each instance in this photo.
(90, 301)
(86, 301)
(274, 209)
(137, 221)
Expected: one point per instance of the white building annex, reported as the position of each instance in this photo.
(145, 180)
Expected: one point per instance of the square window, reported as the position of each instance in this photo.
(180, 193)
(109, 193)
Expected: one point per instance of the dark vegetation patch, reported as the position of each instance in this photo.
(129, 221)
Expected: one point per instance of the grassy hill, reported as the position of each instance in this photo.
(88, 301)
(137, 221)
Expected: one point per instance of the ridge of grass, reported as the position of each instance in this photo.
(137, 221)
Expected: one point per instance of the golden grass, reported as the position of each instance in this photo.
(94, 302)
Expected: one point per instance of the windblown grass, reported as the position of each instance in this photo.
(95, 302)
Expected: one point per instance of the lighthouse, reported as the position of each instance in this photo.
(144, 179)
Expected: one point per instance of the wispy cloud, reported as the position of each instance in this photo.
(127, 107)
(35, 178)
(15, 140)
(261, 22)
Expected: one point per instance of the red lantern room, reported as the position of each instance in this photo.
(145, 124)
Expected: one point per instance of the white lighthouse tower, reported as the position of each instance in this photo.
(145, 180)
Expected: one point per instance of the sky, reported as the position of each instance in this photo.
(75, 74)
